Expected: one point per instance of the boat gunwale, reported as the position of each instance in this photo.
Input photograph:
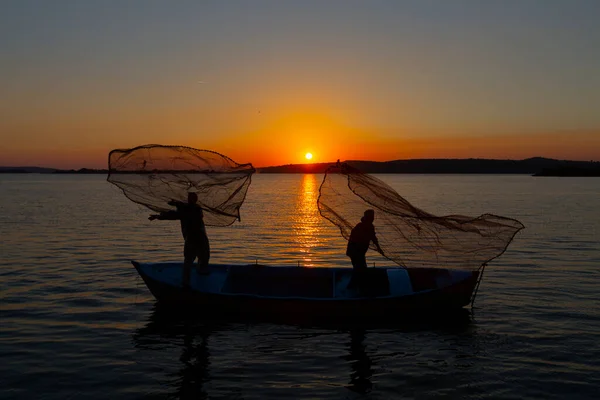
(138, 267)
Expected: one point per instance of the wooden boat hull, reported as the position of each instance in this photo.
(279, 292)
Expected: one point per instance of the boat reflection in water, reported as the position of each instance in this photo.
(361, 363)
(177, 350)
(166, 330)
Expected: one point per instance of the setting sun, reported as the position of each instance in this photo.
(308, 156)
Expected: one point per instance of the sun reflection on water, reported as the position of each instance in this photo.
(306, 220)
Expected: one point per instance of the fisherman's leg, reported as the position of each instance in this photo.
(203, 252)
(359, 267)
(359, 264)
(189, 255)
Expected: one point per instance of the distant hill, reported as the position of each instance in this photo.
(443, 166)
(296, 169)
(537, 166)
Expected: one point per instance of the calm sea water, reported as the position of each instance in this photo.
(77, 322)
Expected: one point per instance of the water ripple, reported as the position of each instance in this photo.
(77, 322)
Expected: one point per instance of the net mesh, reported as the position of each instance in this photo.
(153, 175)
(408, 236)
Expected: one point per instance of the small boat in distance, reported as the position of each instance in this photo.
(315, 293)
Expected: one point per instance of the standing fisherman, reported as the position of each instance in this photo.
(358, 244)
(194, 234)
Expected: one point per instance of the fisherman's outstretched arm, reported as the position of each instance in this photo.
(376, 242)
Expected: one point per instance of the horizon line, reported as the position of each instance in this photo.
(328, 162)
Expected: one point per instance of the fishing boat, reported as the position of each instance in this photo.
(455, 247)
(320, 293)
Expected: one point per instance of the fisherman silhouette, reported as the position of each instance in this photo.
(194, 234)
(361, 237)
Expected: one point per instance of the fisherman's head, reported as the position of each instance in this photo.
(192, 198)
(369, 216)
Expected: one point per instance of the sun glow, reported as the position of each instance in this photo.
(308, 156)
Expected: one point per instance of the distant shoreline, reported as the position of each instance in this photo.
(536, 166)
(570, 172)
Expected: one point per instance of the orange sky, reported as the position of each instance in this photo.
(272, 149)
(281, 131)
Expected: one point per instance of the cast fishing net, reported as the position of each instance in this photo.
(407, 235)
(154, 175)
